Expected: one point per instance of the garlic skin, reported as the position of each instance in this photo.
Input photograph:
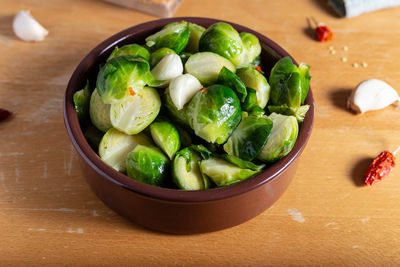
(168, 68)
(183, 88)
(370, 95)
(27, 28)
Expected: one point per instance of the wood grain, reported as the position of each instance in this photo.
(49, 216)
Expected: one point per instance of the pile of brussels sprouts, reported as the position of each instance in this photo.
(192, 109)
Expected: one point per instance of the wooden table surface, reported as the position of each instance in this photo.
(49, 216)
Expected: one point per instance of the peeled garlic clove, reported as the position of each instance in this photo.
(168, 68)
(183, 88)
(372, 94)
(27, 28)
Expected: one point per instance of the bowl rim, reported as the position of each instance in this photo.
(78, 140)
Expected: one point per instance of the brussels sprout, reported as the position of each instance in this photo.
(221, 38)
(214, 113)
(249, 137)
(253, 79)
(281, 139)
(299, 112)
(252, 48)
(120, 73)
(115, 146)
(168, 68)
(230, 79)
(136, 111)
(93, 136)
(186, 172)
(148, 164)
(250, 104)
(289, 88)
(82, 102)
(304, 80)
(183, 88)
(159, 54)
(184, 57)
(130, 49)
(176, 115)
(206, 66)
(166, 137)
(202, 150)
(174, 36)
(223, 173)
(99, 112)
(244, 164)
(195, 33)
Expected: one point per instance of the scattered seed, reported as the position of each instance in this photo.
(345, 48)
(333, 52)
(364, 64)
(331, 47)
(344, 59)
(355, 65)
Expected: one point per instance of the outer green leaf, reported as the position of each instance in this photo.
(230, 79)
(174, 36)
(82, 102)
(130, 49)
(166, 137)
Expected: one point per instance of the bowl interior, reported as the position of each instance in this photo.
(88, 69)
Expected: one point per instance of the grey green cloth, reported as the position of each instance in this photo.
(352, 8)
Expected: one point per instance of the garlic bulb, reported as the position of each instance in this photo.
(183, 88)
(372, 94)
(27, 28)
(168, 68)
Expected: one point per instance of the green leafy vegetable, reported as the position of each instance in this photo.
(230, 79)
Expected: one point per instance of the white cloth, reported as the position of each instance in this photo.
(352, 8)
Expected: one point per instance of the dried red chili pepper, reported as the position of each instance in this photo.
(131, 92)
(380, 167)
(4, 114)
(323, 33)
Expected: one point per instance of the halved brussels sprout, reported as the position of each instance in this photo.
(120, 73)
(176, 115)
(115, 146)
(82, 102)
(221, 38)
(183, 88)
(136, 111)
(252, 48)
(186, 172)
(148, 164)
(130, 49)
(250, 104)
(230, 79)
(214, 113)
(99, 112)
(223, 173)
(244, 164)
(166, 137)
(249, 137)
(174, 35)
(159, 54)
(289, 88)
(168, 68)
(254, 79)
(281, 139)
(206, 66)
(195, 33)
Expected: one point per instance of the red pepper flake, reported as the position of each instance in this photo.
(258, 68)
(204, 91)
(4, 114)
(323, 33)
(380, 167)
(131, 92)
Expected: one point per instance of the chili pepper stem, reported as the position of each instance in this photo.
(315, 21)
(397, 150)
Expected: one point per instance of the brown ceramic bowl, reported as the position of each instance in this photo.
(171, 210)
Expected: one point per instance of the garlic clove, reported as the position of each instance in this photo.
(183, 88)
(370, 95)
(27, 28)
(168, 68)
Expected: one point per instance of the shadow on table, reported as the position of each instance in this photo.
(359, 169)
(339, 97)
